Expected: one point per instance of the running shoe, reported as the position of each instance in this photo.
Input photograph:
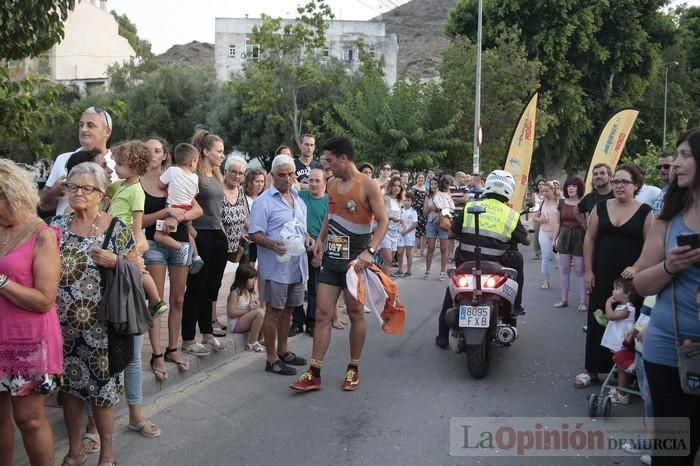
(159, 309)
(306, 383)
(352, 380)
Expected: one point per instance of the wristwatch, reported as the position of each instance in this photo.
(372, 250)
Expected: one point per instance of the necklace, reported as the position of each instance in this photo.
(93, 226)
(7, 236)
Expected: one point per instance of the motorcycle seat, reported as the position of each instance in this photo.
(487, 267)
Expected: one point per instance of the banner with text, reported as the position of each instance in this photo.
(520, 152)
(612, 141)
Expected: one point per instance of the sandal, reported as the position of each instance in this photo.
(584, 380)
(561, 304)
(426, 276)
(146, 428)
(443, 276)
(183, 366)
(197, 349)
(161, 375)
(91, 443)
(280, 368)
(545, 286)
(215, 344)
(582, 307)
(255, 347)
(108, 463)
(292, 359)
(79, 461)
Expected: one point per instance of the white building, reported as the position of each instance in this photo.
(233, 46)
(91, 43)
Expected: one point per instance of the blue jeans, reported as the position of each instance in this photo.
(133, 375)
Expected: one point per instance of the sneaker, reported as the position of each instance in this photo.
(396, 274)
(352, 380)
(196, 265)
(295, 330)
(306, 383)
(443, 276)
(407, 275)
(310, 330)
(159, 309)
(426, 276)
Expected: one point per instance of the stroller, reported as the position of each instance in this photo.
(600, 404)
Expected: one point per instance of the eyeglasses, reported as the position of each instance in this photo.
(665, 166)
(86, 188)
(386, 168)
(622, 182)
(235, 172)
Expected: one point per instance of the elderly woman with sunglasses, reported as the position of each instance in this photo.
(88, 376)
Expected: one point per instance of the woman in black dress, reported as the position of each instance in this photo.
(419, 193)
(613, 242)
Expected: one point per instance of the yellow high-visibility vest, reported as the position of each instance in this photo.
(498, 222)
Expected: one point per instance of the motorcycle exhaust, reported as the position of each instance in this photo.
(505, 334)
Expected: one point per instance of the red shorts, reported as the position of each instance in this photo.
(186, 208)
(623, 358)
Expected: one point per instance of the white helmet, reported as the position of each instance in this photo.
(500, 182)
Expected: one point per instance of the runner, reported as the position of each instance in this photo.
(354, 200)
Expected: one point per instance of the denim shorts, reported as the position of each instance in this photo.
(159, 255)
(390, 241)
(432, 230)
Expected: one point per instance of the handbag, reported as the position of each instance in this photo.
(688, 355)
(120, 348)
(445, 222)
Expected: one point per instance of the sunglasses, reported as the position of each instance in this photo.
(665, 166)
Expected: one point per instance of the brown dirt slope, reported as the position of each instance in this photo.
(419, 25)
(195, 53)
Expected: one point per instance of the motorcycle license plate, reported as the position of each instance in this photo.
(474, 316)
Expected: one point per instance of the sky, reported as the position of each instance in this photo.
(165, 23)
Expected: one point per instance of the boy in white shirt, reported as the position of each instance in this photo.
(407, 238)
(182, 185)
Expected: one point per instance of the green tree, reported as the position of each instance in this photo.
(508, 78)
(392, 126)
(30, 27)
(596, 58)
(27, 29)
(123, 75)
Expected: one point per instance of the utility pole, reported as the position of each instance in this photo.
(666, 66)
(477, 100)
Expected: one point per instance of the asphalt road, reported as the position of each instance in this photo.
(410, 389)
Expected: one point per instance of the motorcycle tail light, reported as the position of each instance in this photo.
(495, 281)
(460, 281)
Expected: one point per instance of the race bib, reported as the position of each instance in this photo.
(338, 247)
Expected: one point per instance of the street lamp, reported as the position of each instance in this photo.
(666, 67)
(477, 100)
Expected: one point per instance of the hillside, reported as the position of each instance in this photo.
(419, 25)
(195, 53)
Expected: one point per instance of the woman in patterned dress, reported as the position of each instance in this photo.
(234, 210)
(85, 345)
(419, 193)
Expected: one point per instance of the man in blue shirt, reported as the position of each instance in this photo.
(282, 279)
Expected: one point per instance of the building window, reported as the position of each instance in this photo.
(325, 52)
(372, 51)
(348, 54)
(232, 51)
(252, 51)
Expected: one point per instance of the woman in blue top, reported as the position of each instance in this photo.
(663, 261)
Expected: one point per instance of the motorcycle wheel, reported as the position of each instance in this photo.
(478, 359)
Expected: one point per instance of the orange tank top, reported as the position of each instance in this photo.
(349, 225)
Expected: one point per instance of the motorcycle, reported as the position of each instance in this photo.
(483, 293)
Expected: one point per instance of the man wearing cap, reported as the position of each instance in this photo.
(94, 130)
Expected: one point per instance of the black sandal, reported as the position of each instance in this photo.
(160, 375)
(182, 366)
(280, 368)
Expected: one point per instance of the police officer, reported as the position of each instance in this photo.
(500, 231)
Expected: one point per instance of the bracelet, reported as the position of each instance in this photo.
(664, 265)
(4, 280)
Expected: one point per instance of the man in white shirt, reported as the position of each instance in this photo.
(94, 130)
